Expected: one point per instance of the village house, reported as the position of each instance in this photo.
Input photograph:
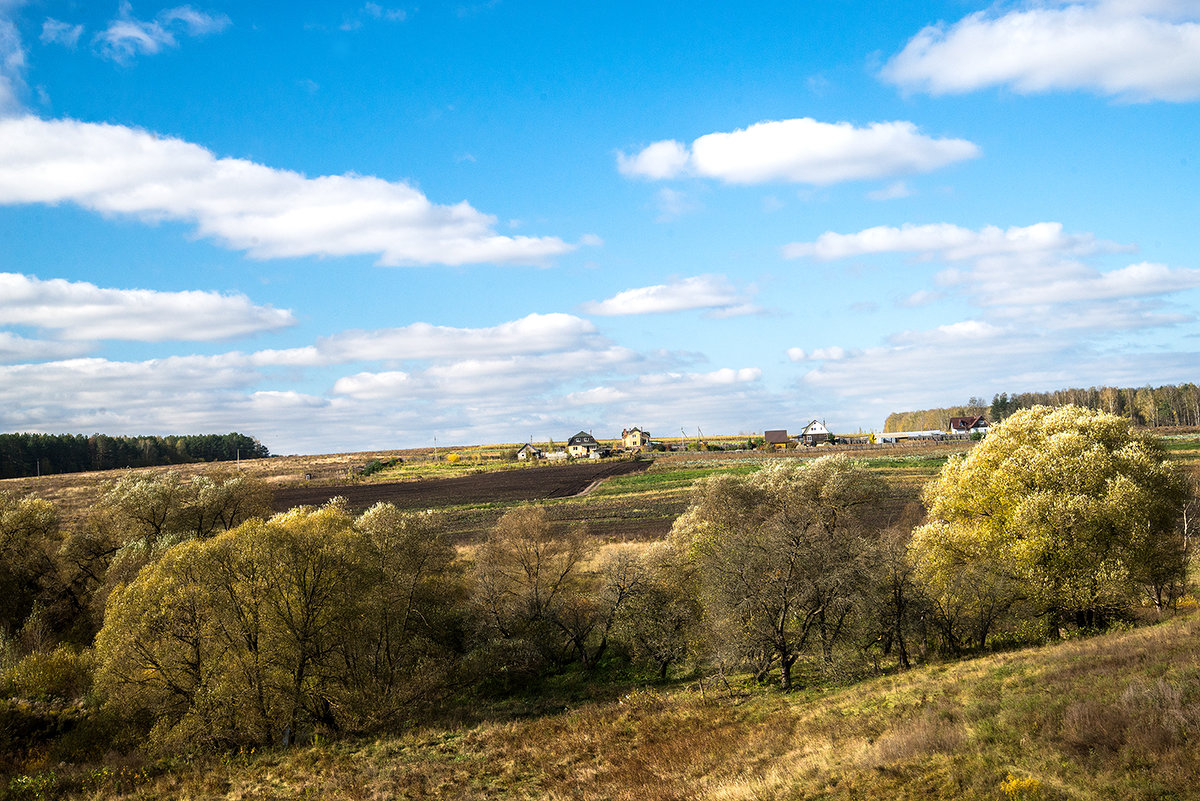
(529, 452)
(583, 445)
(634, 439)
(815, 433)
(965, 426)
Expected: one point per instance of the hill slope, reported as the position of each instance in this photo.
(1116, 716)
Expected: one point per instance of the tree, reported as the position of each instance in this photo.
(529, 589)
(29, 537)
(277, 628)
(1066, 508)
(780, 556)
(658, 618)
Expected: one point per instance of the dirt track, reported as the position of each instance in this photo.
(528, 484)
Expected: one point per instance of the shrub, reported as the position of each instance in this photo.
(63, 673)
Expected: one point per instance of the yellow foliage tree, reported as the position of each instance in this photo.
(1066, 508)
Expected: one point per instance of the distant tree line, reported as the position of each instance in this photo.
(1168, 405)
(24, 455)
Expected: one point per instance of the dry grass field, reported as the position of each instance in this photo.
(1112, 717)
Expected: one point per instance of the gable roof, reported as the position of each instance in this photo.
(582, 438)
(966, 423)
(776, 436)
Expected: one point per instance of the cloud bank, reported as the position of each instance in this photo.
(266, 212)
(83, 311)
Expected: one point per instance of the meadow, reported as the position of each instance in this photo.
(1113, 715)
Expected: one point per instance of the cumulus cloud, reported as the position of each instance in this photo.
(711, 292)
(269, 213)
(1048, 316)
(1132, 50)
(800, 151)
(83, 311)
(1136, 280)
(127, 37)
(950, 242)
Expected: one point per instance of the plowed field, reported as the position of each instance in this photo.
(502, 486)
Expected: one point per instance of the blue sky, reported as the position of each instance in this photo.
(344, 226)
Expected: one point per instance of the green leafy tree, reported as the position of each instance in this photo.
(780, 556)
(279, 628)
(29, 538)
(1064, 508)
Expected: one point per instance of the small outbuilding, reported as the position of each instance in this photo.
(528, 452)
(776, 438)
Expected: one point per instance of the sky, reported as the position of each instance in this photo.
(341, 226)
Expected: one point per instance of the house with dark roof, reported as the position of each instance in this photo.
(583, 445)
(633, 439)
(965, 426)
(528, 452)
(776, 438)
(815, 433)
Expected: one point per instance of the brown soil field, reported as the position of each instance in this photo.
(506, 486)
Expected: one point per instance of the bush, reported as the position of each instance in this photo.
(63, 673)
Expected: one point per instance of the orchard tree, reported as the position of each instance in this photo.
(1067, 509)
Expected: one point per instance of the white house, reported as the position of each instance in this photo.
(528, 451)
(968, 425)
(815, 433)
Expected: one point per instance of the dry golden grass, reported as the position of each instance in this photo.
(1110, 717)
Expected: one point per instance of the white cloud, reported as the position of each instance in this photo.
(1131, 50)
(127, 37)
(15, 348)
(712, 292)
(893, 191)
(534, 333)
(58, 32)
(464, 385)
(267, 212)
(817, 354)
(1137, 280)
(12, 66)
(673, 204)
(83, 311)
(950, 242)
(801, 151)
(665, 159)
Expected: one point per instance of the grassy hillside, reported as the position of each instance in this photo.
(1116, 716)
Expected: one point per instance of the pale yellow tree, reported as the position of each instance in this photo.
(1064, 508)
